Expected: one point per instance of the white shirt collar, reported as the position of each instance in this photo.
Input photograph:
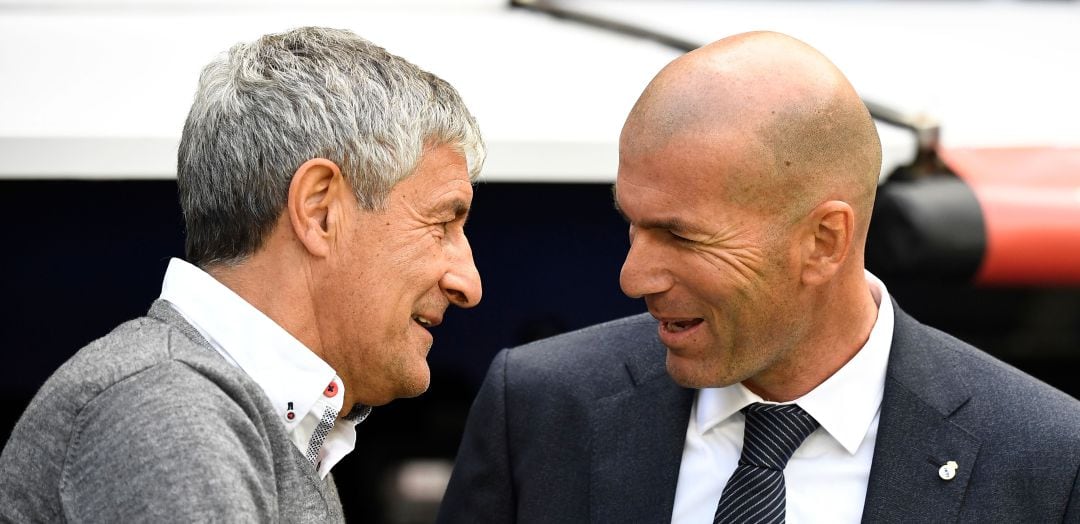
(845, 404)
(292, 377)
(285, 368)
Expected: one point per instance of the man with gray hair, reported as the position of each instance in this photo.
(324, 184)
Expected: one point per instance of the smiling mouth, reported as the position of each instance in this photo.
(427, 321)
(678, 326)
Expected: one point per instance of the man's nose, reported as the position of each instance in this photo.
(461, 283)
(643, 272)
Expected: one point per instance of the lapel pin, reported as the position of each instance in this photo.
(948, 471)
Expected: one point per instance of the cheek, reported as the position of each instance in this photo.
(422, 256)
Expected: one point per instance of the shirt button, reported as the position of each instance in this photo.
(331, 390)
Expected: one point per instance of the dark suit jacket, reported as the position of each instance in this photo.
(589, 427)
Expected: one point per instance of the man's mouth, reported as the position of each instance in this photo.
(425, 321)
(677, 326)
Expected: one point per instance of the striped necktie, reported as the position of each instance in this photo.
(755, 493)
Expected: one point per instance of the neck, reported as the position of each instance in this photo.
(844, 315)
(268, 282)
(263, 282)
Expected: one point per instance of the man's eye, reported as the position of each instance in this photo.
(446, 226)
(679, 237)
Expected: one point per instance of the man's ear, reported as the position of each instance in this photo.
(828, 241)
(314, 204)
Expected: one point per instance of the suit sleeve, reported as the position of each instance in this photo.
(481, 487)
(167, 446)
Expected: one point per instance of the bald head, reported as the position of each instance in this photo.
(787, 109)
(747, 172)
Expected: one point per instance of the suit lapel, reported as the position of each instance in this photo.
(637, 437)
(916, 437)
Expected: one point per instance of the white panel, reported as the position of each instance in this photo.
(544, 91)
(995, 73)
(100, 88)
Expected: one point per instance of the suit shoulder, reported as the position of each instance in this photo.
(599, 341)
(1006, 398)
(594, 357)
(989, 375)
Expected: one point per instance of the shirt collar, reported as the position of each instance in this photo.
(285, 369)
(845, 404)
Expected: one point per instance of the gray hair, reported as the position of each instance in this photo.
(264, 108)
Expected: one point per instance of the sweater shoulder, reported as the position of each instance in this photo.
(143, 376)
(142, 347)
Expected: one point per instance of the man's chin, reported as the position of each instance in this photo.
(690, 373)
(682, 373)
(417, 390)
(405, 386)
(415, 384)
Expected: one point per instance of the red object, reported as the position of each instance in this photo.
(1030, 199)
(290, 415)
(331, 390)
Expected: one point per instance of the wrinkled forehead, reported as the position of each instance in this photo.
(730, 159)
(440, 176)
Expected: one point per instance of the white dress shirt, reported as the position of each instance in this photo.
(827, 476)
(304, 390)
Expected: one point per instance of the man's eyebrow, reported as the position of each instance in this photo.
(457, 206)
(669, 224)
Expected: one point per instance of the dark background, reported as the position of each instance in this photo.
(81, 257)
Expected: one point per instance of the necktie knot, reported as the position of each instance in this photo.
(773, 433)
(756, 492)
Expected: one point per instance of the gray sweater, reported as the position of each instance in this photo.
(149, 423)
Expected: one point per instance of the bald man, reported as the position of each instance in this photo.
(774, 378)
